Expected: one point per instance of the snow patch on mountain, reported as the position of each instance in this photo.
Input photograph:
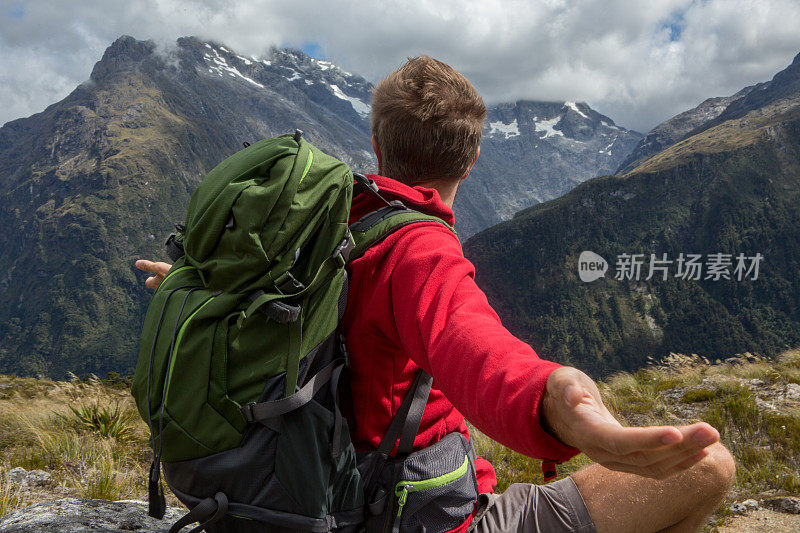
(607, 149)
(574, 107)
(548, 127)
(220, 65)
(327, 65)
(359, 106)
(501, 128)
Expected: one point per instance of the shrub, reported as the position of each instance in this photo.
(105, 421)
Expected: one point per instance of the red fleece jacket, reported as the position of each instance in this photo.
(413, 303)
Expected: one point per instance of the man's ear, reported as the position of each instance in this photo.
(377, 150)
(477, 153)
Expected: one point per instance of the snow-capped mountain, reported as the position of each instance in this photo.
(536, 151)
(99, 178)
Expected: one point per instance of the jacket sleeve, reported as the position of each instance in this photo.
(448, 328)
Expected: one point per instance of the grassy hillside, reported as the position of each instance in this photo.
(87, 435)
(72, 299)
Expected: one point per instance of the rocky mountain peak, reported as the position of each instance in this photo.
(792, 72)
(532, 152)
(712, 112)
(123, 53)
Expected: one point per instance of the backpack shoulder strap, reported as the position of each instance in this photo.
(374, 227)
(368, 231)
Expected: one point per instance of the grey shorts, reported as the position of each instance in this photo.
(525, 508)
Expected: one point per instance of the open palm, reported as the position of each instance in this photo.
(576, 414)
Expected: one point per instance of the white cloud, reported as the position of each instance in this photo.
(638, 62)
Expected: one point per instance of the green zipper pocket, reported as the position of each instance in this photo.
(403, 488)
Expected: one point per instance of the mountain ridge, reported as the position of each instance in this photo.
(712, 112)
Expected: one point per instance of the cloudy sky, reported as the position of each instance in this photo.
(639, 62)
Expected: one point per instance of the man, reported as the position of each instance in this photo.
(425, 311)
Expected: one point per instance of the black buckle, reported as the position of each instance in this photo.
(247, 411)
(366, 182)
(342, 252)
(174, 247)
(290, 284)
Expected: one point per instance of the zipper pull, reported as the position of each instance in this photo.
(402, 499)
(401, 502)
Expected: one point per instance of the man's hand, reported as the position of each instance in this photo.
(159, 269)
(574, 413)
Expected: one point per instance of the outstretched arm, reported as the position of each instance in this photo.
(447, 327)
(158, 269)
(534, 406)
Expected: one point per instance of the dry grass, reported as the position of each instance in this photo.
(85, 433)
(88, 435)
(9, 495)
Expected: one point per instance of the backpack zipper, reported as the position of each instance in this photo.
(308, 165)
(169, 275)
(178, 339)
(403, 488)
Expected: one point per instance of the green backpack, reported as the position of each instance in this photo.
(240, 362)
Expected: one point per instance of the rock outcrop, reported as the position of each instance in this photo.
(74, 515)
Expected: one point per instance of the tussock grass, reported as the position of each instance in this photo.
(105, 421)
(85, 432)
(698, 395)
(9, 494)
(765, 439)
(106, 482)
